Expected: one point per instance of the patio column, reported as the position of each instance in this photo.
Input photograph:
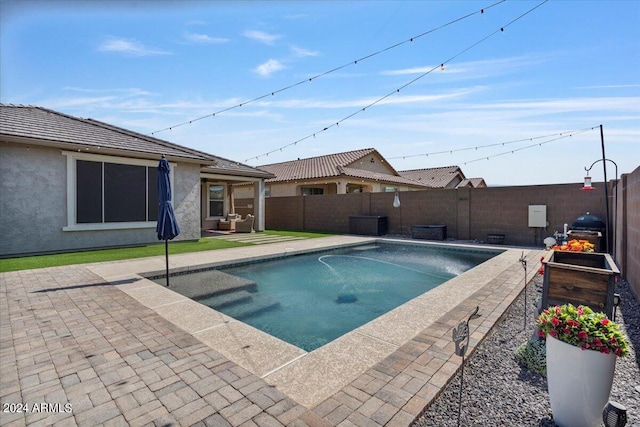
(258, 205)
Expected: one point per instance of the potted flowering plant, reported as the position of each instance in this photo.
(582, 346)
(576, 245)
(582, 327)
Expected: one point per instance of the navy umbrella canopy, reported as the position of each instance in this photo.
(167, 226)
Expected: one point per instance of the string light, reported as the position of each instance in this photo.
(410, 82)
(562, 136)
(350, 63)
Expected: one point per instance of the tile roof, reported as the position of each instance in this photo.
(434, 177)
(43, 126)
(331, 165)
(472, 182)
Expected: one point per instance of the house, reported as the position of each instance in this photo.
(68, 183)
(443, 177)
(353, 172)
(349, 172)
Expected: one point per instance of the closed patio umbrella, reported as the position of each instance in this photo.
(167, 227)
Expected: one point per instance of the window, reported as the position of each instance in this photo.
(389, 189)
(354, 188)
(106, 192)
(216, 200)
(311, 191)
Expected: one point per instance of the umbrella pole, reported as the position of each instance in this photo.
(166, 258)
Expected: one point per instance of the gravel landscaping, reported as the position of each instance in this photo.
(498, 391)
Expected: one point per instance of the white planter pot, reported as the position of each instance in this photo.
(579, 383)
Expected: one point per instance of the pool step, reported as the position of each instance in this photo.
(228, 299)
(210, 283)
(258, 304)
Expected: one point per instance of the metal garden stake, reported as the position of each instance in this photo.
(461, 339)
(523, 261)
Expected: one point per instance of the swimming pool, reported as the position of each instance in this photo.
(309, 300)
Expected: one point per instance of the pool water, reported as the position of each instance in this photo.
(309, 300)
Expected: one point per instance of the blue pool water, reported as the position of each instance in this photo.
(310, 300)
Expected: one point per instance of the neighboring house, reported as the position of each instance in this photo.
(349, 172)
(353, 172)
(68, 183)
(472, 183)
(443, 177)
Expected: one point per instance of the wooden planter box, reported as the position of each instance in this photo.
(579, 278)
(593, 237)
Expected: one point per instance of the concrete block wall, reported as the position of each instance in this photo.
(628, 241)
(472, 214)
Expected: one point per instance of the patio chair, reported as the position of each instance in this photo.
(229, 224)
(245, 225)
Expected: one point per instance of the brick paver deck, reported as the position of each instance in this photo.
(67, 337)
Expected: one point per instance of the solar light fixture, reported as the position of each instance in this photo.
(616, 303)
(614, 414)
(523, 261)
(461, 340)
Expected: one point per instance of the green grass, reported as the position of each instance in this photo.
(84, 257)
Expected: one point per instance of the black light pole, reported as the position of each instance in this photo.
(606, 186)
(606, 196)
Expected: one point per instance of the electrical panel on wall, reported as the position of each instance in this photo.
(538, 216)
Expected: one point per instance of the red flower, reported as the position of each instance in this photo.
(572, 323)
(604, 321)
(605, 350)
(582, 335)
(580, 310)
(540, 333)
(553, 333)
(555, 321)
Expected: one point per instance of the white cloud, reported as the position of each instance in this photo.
(486, 67)
(130, 91)
(269, 67)
(204, 39)
(129, 47)
(261, 36)
(301, 52)
(395, 99)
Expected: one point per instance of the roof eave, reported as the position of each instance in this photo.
(70, 146)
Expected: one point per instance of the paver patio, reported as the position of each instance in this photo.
(73, 335)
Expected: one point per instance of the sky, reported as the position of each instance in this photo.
(511, 91)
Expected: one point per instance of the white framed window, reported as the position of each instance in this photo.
(106, 192)
(216, 195)
(351, 188)
(311, 191)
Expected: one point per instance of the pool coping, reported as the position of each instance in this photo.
(316, 378)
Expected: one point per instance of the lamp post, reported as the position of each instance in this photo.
(588, 187)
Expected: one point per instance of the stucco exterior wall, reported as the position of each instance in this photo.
(33, 205)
